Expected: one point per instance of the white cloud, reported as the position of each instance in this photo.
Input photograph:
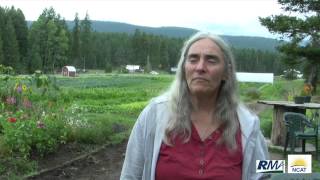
(199, 14)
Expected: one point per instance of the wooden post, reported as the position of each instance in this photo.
(279, 131)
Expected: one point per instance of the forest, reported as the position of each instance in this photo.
(49, 44)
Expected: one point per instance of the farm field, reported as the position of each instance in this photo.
(90, 111)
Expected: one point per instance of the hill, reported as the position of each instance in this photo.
(260, 43)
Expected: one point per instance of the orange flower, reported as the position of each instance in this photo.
(307, 89)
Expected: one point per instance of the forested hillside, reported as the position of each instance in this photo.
(179, 32)
(258, 43)
(51, 42)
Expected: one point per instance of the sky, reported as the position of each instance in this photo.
(224, 17)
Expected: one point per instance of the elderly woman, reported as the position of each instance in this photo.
(197, 129)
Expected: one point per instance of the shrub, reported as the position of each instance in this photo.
(14, 167)
(266, 122)
(26, 135)
(253, 93)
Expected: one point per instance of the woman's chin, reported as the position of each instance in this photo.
(201, 91)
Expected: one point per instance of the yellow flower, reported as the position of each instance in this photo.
(24, 88)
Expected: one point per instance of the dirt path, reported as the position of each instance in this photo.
(104, 164)
(257, 107)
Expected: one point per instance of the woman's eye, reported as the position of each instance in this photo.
(192, 60)
(212, 60)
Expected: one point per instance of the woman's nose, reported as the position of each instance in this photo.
(200, 65)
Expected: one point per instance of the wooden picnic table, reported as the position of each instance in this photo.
(278, 133)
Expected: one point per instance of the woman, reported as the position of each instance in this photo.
(197, 129)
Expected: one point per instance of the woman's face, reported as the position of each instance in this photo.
(204, 67)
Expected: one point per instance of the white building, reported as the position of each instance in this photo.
(255, 77)
(69, 71)
(133, 68)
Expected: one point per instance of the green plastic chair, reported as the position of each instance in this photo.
(299, 127)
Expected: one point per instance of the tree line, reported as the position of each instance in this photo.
(48, 45)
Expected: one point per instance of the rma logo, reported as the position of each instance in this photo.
(270, 166)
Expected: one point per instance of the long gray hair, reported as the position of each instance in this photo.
(227, 100)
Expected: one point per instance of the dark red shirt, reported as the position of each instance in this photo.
(196, 159)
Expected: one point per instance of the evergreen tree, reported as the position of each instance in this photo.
(75, 46)
(35, 62)
(140, 47)
(303, 33)
(49, 40)
(61, 53)
(46, 37)
(21, 30)
(164, 49)
(148, 67)
(174, 51)
(85, 41)
(10, 46)
(57, 44)
(34, 57)
(1, 50)
(2, 25)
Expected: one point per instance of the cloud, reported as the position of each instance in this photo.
(231, 16)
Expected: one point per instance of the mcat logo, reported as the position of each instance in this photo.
(300, 163)
(270, 166)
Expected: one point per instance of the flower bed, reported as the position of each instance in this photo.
(31, 119)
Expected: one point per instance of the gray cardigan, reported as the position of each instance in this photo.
(147, 134)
